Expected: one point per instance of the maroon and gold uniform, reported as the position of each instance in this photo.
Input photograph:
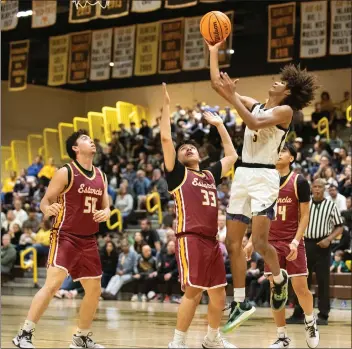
(198, 253)
(294, 189)
(73, 246)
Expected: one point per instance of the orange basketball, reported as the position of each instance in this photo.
(215, 26)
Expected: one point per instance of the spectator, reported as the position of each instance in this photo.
(169, 236)
(109, 259)
(116, 146)
(156, 128)
(327, 105)
(140, 187)
(125, 136)
(69, 289)
(21, 188)
(149, 171)
(145, 130)
(159, 184)
(38, 195)
(47, 172)
(32, 219)
(318, 114)
(335, 141)
(35, 168)
(170, 216)
(129, 173)
(338, 265)
(126, 267)
(11, 220)
(150, 235)
(143, 159)
(8, 255)
(146, 273)
(42, 238)
(7, 188)
(15, 233)
(133, 130)
(139, 242)
(224, 195)
(27, 238)
(19, 213)
(344, 156)
(139, 147)
(324, 163)
(229, 119)
(339, 200)
(124, 202)
(345, 187)
(222, 228)
(114, 179)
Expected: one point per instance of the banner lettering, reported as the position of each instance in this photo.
(145, 5)
(81, 12)
(180, 3)
(114, 9)
(58, 54)
(44, 13)
(18, 65)
(9, 11)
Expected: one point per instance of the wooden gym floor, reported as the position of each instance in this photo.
(138, 325)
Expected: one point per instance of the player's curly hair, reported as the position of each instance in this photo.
(301, 84)
(72, 141)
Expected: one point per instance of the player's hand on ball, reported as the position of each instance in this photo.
(101, 216)
(166, 95)
(248, 250)
(214, 47)
(293, 253)
(213, 119)
(53, 210)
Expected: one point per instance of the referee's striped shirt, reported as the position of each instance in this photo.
(323, 218)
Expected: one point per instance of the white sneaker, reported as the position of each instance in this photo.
(174, 345)
(218, 342)
(84, 342)
(134, 298)
(312, 333)
(24, 339)
(281, 342)
(144, 298)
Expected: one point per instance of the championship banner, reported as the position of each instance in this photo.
(180, 3)
(211, 1)
(123, 51)
(141, 6)
(44, 13)
(101, 54)
(146, 49)
(79, 56)
(81, 12)
(58, 54)
(114, 9)
(194, 48)
(170, 47)
(18, 65)
(341, 33)
(9, 17)
(313, 29)
(281, 32)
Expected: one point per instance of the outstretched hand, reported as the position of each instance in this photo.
(213, 119)
(214, 47)
(166, 96)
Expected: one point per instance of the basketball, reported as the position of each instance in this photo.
(215, 26)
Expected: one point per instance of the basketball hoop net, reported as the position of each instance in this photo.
(84, 3)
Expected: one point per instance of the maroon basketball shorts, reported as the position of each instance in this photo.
(200, 262)
(297, 267)
(77, 255)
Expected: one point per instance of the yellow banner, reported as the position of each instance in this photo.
(58, 53)
(146, 60)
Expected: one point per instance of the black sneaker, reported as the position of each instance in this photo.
(279, 293)
(24, 339)
(281, 342)
(295, 320)
(240, 312)
(84, 342)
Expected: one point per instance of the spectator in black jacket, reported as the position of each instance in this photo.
(109, 258)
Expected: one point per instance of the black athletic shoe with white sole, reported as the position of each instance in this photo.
(279, 293)
(24, 339)
(84, 342)
(281, 342)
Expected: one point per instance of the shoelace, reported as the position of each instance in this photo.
(311, 330)
(285, 340)
(27, 335)
(90, 340)
(277, 290)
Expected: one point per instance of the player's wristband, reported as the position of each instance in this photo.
(295, 242)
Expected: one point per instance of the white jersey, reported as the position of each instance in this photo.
(263, 146)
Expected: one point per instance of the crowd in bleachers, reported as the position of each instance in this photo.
(133, 163)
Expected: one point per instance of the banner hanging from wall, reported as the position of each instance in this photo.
(170, 46)
(100, 54)
(81, 12)
(281, 32)
(58, 55)
(79, 57)
(180, 3)
(146, 49)
(44, 13)
(123, 51)
(114, 9)
(194, 49)
(9, 17)
(18, 65)
(211, 1)
(313, 29)
(341, 33)
(145, 5)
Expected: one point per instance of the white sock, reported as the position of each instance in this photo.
(278, 279)
(281, 332)
(212, 333)
(28, 325)
(309, 318)
(81, 333)
(179, 337)
(239, 294)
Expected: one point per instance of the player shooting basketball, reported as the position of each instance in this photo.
(256, 184)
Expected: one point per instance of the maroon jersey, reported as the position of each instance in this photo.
(196, 203)
(79, 201)
(284, 227)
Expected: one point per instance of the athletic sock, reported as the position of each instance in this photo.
(281, 332)
(278, 279)
(309, 318)
(179, 337)
(82, 333)
(239, 294)
(28, 325)
(212, 333)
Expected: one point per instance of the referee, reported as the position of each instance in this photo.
(325, 223)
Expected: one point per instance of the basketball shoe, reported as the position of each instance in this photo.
(174, 345)
(312, 333)
(240, 312)
(84, 342)
(279, 293)
(24, 339)
(281, 342)
(218, 342)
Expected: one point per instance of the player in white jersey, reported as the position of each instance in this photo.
(256, 184)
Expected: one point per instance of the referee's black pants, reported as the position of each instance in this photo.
(318, 261)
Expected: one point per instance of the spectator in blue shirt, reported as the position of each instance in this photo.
(34, 169)
(140, 187)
